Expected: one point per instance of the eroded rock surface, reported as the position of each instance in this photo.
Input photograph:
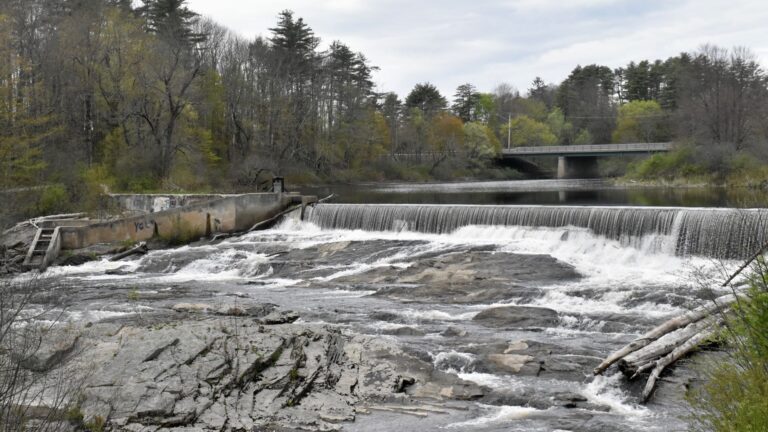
(235, 373)
(465, 277)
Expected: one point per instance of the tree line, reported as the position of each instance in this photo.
(105, 93)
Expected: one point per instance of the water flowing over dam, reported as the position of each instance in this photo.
(715, 233)
(519, 302)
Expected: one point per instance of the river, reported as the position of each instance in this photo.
(422, 264)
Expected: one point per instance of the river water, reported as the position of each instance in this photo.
(419, 264)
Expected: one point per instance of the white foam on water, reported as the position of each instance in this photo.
(614, 270)
(91, 267)
(497, 414)
(444, 360)
(603, 261)
(99, 315)
(227, 264)
(433, 315)
(347, 294)
(605, 390)
(383, 325)
(558, 298)
(276, 284)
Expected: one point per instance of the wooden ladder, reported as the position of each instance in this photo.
(43, 250)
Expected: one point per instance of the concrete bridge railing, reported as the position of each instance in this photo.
(580, 161)
(588, 150)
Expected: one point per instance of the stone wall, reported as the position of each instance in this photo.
(228, 214)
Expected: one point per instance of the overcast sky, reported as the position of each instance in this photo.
(486, 42)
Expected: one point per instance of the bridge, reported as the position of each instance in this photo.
(580, 161)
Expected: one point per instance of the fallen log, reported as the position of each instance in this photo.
(274, 218)
(140, 249)
(674, 356)
(718, 305)
(635, 363)
(222, 236)
(328, 198)
(681, 321)
(670, 341)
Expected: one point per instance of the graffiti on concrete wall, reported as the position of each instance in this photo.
(144, 225)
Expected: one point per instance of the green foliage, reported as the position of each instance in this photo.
(123, 168)
(391, 170)
(529, 132)
(480, 142)
(745, 170)
(584, 137)
(54, 199)
(294, 36)
(133, 295)
(74, 416)
(426, 98)
(152, 98)
(23, 131)
(96, 425)
(447, 133)
(213, 137)
(171, 20)
(735, 396)
(639, 121)
(485, 107)
(94, 183)
(466, 103)
(586, 98)
(677, 163)
(562, 129)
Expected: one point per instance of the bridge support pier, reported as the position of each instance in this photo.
(577, 167)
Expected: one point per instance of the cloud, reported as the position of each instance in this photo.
(450, 42)
(555, 5)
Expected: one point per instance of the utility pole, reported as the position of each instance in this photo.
(509, 130)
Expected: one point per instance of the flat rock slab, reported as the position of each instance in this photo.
(517, 317)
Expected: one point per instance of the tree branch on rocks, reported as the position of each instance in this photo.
(35, 389)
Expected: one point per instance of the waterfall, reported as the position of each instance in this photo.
(717, 233)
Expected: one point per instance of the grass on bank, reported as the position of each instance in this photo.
(734, 397)
(686, 166)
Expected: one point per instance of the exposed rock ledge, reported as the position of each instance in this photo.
(237, 373)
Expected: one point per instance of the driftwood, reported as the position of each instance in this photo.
(222, 236)
(140, 249)
(674, 356)
(675, 338)
(643, 359)
(675, 323)
(274, 218)
(328, 198)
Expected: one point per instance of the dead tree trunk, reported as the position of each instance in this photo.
(675, 323)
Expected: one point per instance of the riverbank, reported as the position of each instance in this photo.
(604, 192)
(418, 173)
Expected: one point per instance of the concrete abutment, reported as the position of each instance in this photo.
(577, 167)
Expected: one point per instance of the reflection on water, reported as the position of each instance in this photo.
(541, 192)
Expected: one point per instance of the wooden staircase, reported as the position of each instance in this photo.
(44, 249)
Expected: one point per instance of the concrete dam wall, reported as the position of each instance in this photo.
(224, 214)
(153, 203)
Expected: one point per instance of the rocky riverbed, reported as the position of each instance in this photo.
(297, 328)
